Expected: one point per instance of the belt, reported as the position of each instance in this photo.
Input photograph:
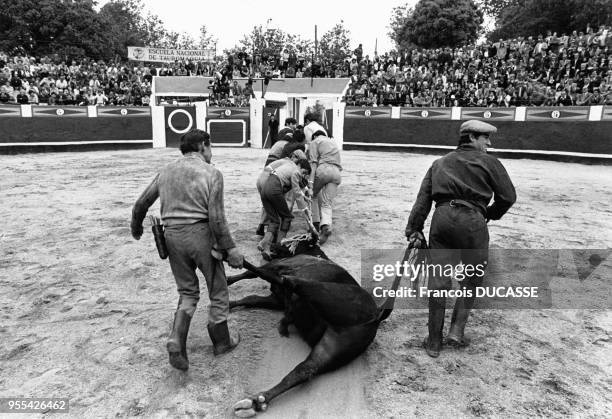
(460, 203)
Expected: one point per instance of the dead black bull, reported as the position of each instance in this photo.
(331, 311)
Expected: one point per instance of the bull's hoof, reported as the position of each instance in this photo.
(283, 329)
(324, 234)
(249, 407)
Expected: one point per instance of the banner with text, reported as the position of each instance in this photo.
(170, 54)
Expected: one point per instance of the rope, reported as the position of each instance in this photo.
(291, 243)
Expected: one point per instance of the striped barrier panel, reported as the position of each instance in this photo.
(535, 131)
(37, 128)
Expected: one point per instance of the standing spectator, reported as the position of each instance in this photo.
(273, 128)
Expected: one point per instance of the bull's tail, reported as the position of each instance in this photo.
(413, 256)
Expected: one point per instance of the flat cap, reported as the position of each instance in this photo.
(476, 126)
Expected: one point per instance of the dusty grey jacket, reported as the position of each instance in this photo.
(190, 191)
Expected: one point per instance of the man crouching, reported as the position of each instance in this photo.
(191, 194)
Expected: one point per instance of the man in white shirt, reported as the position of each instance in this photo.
(312, 125)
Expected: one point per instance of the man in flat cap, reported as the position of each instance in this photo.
(462, 184)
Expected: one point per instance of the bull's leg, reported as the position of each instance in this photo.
(283, 326)
(265, 274)
(332, 351)
(257, 301)
(235, 278)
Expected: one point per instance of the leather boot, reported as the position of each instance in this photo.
(177, 342)
(433, 343)
(220, 337)
(461, 313)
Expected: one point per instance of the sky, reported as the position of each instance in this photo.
(229, 20)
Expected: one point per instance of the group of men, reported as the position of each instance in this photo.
(304, 146)
(462, 184)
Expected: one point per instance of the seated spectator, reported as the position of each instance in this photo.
(596, 98)
(583, 99)
(22, 97)
(564, 99)
(100, 99)
(32, 97)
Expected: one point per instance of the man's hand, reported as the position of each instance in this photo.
(416, 240)
(234, 258)
(137, 231)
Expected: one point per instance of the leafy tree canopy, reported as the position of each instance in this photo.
(436, 23)
(534, 17)
(335, 44)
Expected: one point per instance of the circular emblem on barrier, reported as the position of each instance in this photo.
(487, 115)
(171, 126)
(139, 53)
(124, 112)
(227, 112)
(59, 112)
(424, 114)
(368, 112)
(555, 114)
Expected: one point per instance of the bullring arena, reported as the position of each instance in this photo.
(86, 309)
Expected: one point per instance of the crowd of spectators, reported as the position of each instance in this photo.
(546, 70)
(549, 70)
(51, 80)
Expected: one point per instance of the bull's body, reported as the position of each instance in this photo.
(330, 310)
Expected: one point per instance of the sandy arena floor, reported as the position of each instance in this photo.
(85, 310)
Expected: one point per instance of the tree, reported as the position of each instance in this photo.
(206, 41)
(267, 43)
(494, 8)
(335, 45)
(128, 24)
(40, 27)
(179, 40)
(153, 31)
(299, 46)
(534, 17)
(399, 16)
(440, 23)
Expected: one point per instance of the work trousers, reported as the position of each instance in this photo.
(275, 205)
(189, 247)
(457, 235)
(289, 197)
(325, 188)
